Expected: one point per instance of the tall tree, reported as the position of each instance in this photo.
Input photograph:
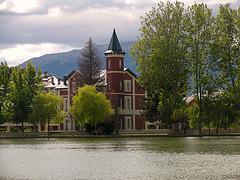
(5, 73)
(24, 87)
(89, 64)
(160, 54)
(226, 48)
(90, 107)
(200, 36)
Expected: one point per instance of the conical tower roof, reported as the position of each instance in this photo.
(114, 45)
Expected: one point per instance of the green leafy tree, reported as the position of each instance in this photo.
(90, 107)
(25, 85)
(227, 52)
(181, 115)
(202, 68)
(160, 54)
(193, 115)
(5, 74)
(46, 108)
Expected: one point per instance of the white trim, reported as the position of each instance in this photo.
(130, 112)
(121, 72)
(139, 94)
(121, 93)
(114, 55)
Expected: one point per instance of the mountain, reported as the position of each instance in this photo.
(61, 64)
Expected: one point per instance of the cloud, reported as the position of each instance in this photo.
(19, 6)
(19, 53)
(25, 24)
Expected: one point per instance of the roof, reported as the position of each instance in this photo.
(114, 45)
(132, 73)
(53, 82)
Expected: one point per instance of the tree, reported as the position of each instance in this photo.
(200, 36)
(46, 109)
(5, 73)
(227, 51)
(90, 106)
(160, 54)
(24, 86)
(89, 64)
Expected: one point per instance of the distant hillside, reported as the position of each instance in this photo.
(63, 63)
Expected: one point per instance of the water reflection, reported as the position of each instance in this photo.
(121, 158)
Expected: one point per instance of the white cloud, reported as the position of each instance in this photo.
(19, 6)
(21, 52)
(70, 22)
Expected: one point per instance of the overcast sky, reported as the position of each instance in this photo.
(30, 28)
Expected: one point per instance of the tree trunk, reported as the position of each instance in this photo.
(217, 127)
(48, 128)
(229, 126)
(95, 128)
(22, 128)
(209, 128)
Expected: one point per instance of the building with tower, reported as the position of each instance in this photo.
(122, 89)
(120, 86)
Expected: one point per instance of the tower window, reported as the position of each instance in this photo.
(109, 64)
(120, 64)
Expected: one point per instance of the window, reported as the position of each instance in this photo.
(109, 64)
(128, 102)
(128, 122)
(120, 85)
(109, 85)
(127, 85)
(120, 64)
(65, 107)
(120, 103)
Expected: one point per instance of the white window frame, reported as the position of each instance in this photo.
(127, 86)
(128, 122)
(128, 102)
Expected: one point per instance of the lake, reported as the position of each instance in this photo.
(121, 158)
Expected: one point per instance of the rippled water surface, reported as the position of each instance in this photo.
(121, 158)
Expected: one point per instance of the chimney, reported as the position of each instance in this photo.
(65, 80)
(58, 81)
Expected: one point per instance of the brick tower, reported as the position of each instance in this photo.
(115, 70)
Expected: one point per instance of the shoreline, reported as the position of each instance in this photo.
(112, 136)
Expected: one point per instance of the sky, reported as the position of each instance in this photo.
(31, 28)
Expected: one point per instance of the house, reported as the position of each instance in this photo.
(117, 82)
(120, 86)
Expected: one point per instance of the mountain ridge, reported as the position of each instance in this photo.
(62, 63)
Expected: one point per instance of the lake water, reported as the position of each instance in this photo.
(121, 158)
